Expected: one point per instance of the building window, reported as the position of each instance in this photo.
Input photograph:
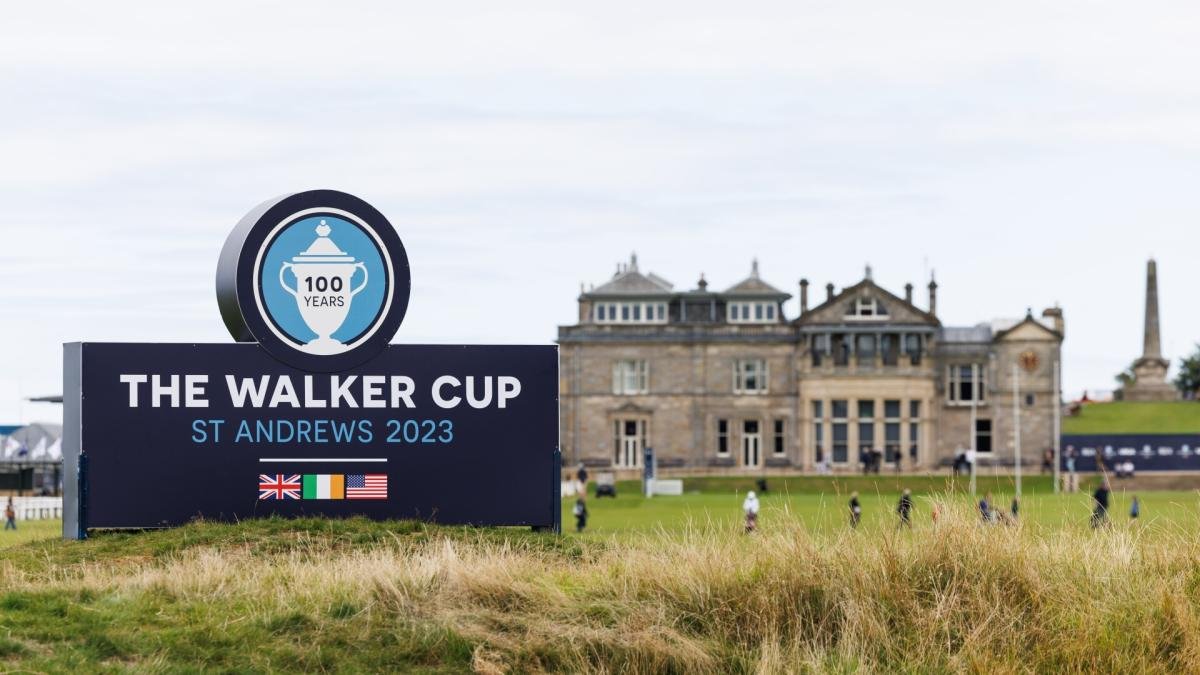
(779, 445)
(914, 429)
(631, 377)
(631, 312)
(722, 438)
(751, 444)
(841, 452)
(889, 349)
(629, 440)
(866, 409)
(819, 430)
(912, 347)
(983, 435)
(866, 309)
(1029, 400)
(891, 410)
(891, 429)
(750, 376)
(961, 388)
(750, 312)
(818, 347)
(841, 409)
(866, 426)
(914, 439)
(866, 349)
(841, 354)
(841, 442)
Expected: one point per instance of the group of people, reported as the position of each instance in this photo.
(988, 512)
(1100, 509)
(871, 461)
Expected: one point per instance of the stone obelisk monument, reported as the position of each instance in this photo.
(1150, 370)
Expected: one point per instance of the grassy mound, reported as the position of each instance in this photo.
(353, 595)
(1130, 417)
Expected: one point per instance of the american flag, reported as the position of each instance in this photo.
(366, 486)
(279, 486)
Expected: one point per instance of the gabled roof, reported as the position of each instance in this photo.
(899, 311)
(753, 285)
(1030, 322)
(629, 281)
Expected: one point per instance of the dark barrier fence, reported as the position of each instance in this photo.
(1147, 452)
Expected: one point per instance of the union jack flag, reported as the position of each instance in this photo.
(366, 486)
(279, 486)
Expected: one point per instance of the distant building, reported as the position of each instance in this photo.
(723, 381)
(1150, 370)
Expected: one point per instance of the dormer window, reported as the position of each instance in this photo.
(751, 312)
(866, 309)
(630, 312)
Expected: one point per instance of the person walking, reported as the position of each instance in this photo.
(10, 516)
(1072, 478)
(985, 507)
(855, 510)
(904, 508)
(1100, 512)
(1135, 508)
(581, 514)
(750, 507)
(581, 476)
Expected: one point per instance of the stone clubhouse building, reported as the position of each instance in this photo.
(722, 381)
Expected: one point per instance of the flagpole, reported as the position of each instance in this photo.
(974, 399)
(1057, 425)
(1017, 425)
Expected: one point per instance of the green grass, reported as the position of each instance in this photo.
(1124, 417)
(820, 504)
(30, 530)
(223, 597)
(667, 584)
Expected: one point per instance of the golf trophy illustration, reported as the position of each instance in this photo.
(323, 291)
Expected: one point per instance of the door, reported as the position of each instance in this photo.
(751, 444)
(630, 442)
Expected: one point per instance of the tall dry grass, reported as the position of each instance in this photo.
(955, 597)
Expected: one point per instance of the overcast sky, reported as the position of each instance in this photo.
(1030, 153)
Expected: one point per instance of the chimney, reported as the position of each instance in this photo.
(908, 293)
(932, 296)
(1055, 316)
(803, 295)
(828, 292)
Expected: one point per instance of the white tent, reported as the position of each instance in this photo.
(33, 443)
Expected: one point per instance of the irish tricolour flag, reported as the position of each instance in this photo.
(324, 486)
(342, 486)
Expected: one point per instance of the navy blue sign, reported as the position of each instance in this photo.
(1147, 452)
(163, 433)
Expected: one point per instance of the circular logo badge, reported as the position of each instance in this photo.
(320, 279)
